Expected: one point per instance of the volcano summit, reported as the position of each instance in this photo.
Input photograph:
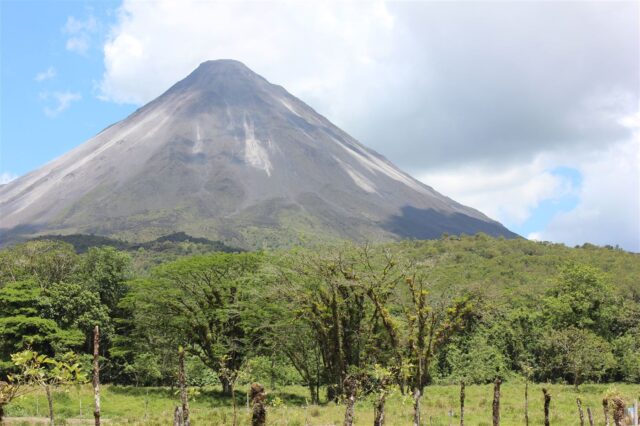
(224, 154)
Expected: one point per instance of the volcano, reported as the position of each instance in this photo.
(226, 155)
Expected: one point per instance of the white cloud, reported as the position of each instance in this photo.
(75, 26)
(47, 74)
(426, 83)
(509, 193)
(535, 236)
(6, 177)
(63, 101)
(79, 32)
(609, 207)
(78, 45)
(329, 53)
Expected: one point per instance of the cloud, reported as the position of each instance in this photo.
(605, 208)
(310, 47)
(426, 83)
(78, 45)
(6, 177)
(80, 32)
(508, 194)
(63, 101)
(609, 208)
(47, 74)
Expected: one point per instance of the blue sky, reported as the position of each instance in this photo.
(35, 126)
(547, 208)
(528, 111)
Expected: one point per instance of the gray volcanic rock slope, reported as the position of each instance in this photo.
(225, 154)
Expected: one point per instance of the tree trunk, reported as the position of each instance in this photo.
(461, 403)
(378, 413)
(313, 392)
(182, 379)
(605, 408)
(580, 411)
(96, 375)
(547, 401)
(351, 388)
(590, 416)
(526, 403)
(177, 416)
(618, 412)
(333, 392)
(496, 402)
(235, 405)
(416, 407)
(318, 386)
(226, 385)
(259, 414)
(47, 389)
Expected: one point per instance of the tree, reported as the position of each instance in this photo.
(427, 326)
(105, 271)
(474, 360)
(44, 261)
(627, 349)
(74, 307)
(576, 354)
(47, 373)
(581, 298)
(323, 291)
(9, 392)
(200, 302)
(295, 341)
(22, 325)
(144, 369)
(431, 326)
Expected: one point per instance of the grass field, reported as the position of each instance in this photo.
(287, 406)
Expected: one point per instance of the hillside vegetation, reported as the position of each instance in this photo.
(389, 318)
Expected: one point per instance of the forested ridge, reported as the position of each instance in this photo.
(407, 314)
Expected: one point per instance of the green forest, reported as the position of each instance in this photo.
(383, 318)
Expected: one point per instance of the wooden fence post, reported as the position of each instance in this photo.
(462, 395)
(526, 403)
(351, 387)
(547, 401)
(259, 414)
(96, 375)
(378, 411)
(182, 380)
(496, 402)
(580, 411)
(177, 416)
(416, 407)
(590, 416)
(47, 389)
(618, 412)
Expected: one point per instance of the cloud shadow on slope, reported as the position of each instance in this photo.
(414, 223)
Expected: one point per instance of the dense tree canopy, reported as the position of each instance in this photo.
(458, 308)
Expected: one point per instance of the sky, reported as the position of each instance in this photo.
(528, 111)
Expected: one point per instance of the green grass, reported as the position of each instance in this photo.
(287, 406)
